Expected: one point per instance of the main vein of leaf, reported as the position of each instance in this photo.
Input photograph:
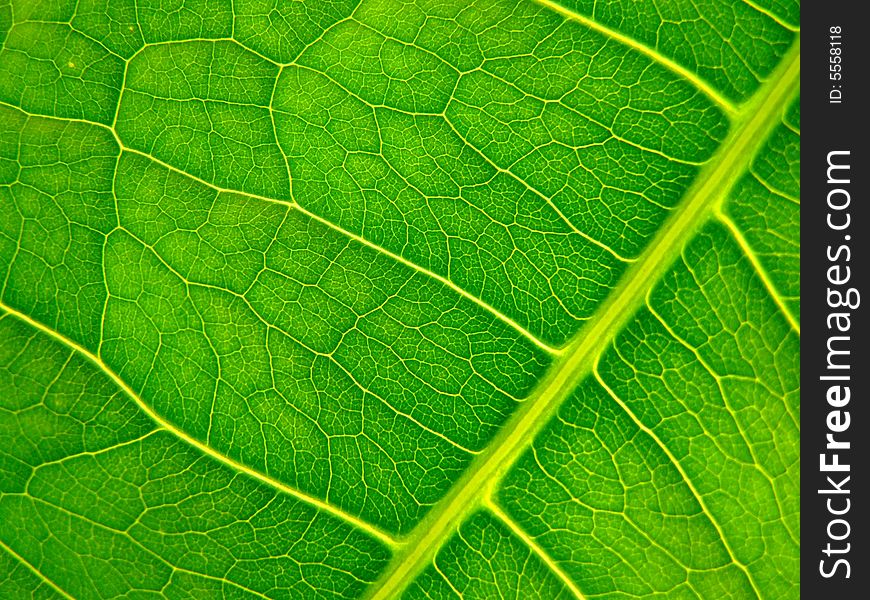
(226, 460)
(750, 129)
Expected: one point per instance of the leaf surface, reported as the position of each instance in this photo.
(399, 299)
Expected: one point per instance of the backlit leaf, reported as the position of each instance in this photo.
(399, 299)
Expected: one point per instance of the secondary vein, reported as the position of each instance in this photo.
(222, 458)
(534, 547)
(35, 571)
(512, 323)
(760, 270)
(663, 60)
(369, 244)
(673, 459)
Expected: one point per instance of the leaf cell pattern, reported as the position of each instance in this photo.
(382, 299)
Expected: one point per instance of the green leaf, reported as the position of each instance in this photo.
(381, 299)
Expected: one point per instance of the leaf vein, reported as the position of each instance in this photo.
(219, 457)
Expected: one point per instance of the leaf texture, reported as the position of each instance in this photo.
(386, 299)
